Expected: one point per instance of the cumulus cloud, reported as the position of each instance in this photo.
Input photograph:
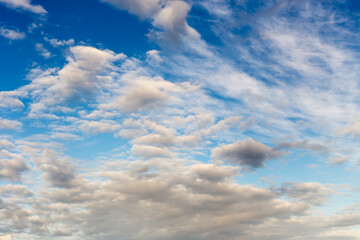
(59, 43)
(167, 16)
(57, 171)
(147, 198)
(11, 165)
(144, 93)
(12, 34)
(65, 136)
(213, 173)
(147, 151)
(76, 81)
(15, 190)
(248, 153)
(94, 127)
(10, 99)
(6, 124)
(153, 57)
(42, 50)
(6, 144)
(24, 5)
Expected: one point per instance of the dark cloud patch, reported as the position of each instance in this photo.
(11, 166)
(58, 172)
(248, 153)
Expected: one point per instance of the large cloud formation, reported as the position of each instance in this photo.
(108, 146)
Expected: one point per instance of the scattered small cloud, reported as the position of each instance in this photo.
(42, 50)
(12, 34)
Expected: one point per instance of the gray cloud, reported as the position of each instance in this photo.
(317, 147)
(248, 153)
(311, 192)
(58, 172)
(11, 166)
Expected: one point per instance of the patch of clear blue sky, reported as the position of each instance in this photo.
(87, 21)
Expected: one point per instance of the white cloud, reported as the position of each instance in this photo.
(146, 151)
(59, 43)
(5, 144)
(24, 5)
(42, 50)
(10, 124)
(168, 16)
(65, 136)
(96, 127)
(76, 81)
(12, 34)
(143, 93)
(153, 57)
(10, 99)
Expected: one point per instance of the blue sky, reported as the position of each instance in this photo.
(176, 119)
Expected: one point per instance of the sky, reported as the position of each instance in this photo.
(180, 119)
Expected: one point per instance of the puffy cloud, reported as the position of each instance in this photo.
(58, 172)
(189, 203)
(9, 124)
(148, 198)
(65, 136)
(147, 151)
(212, 172)
(59, 43)
(172, 18)
(95, 127)
(6, 144)
(24, 5)
(168, 16)
(248, 153)
(11, 34)
(12, 165)
(78, 80)
(9, 99)
(144, 93)
(17, 190)
(42, 50)
(153, 57)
